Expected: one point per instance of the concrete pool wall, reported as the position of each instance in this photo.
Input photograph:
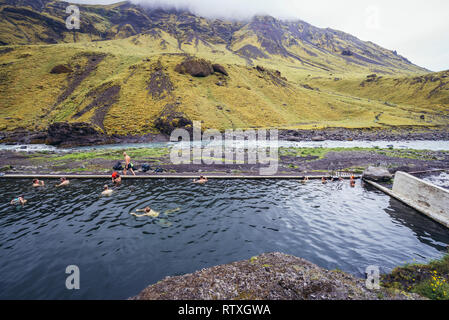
(425, 197)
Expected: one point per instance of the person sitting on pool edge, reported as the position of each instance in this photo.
(64, 182)
(106, 191)
(201, 180)
(18, 201)
(38, 183)
(116, 178)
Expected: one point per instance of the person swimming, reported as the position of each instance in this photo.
(352, 182)
(148, 212)
(18, 201)
(64, 182)
(106, 192)
(323, 180)
(38, 183)
(306, 179)
(201, 180)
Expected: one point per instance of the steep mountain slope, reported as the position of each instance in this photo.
(122, 73)
(294, 42)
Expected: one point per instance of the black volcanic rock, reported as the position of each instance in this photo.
(61, 69)
(73, 134)
(220, 69)
(170, 119)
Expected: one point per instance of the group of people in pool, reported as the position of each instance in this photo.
(332, 179)
(107, 191)
(117, 179)
(36, 184)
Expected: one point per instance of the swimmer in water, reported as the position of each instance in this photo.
(64, 182)
(201, 180)
(18, 201)
(150, 213)
(306, 179)
(107, 192)
(323, 180)
(147, 213)
(38, 183)
(352, 182)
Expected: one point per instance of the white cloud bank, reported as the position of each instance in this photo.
(418, 30)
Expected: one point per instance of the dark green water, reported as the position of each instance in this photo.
(332, 225)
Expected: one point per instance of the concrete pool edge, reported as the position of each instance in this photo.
(438, 217)
(209, 176)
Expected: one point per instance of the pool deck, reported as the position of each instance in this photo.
(169, 176)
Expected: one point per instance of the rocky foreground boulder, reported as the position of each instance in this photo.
(272, 276)
(377, 174)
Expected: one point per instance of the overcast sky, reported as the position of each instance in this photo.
(418, 30)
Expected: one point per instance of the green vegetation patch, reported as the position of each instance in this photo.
(429, 280)
(135, 154)
(320, 153)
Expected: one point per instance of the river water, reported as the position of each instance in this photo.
(433, 145)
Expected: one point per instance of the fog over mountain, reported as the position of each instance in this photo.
(416, 29)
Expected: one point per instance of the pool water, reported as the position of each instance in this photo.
(333, 225)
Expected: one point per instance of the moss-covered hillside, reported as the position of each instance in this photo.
(121, 72)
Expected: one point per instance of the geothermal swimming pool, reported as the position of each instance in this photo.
(118, 254)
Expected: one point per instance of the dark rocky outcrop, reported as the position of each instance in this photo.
(220, 69)
(272, 276)
(251, 52)
(159, 84)
(77, 77)
(195, 67)
(170, 119)
(377, 174)
(61, 69)
(73, 134)
(273, 76)
(103, 98)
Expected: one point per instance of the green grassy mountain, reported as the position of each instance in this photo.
(131, 69)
